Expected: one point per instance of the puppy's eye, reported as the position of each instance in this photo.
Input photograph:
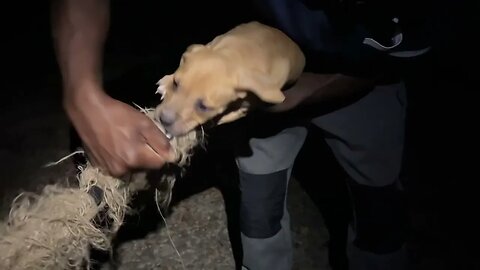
(175, 84)
(201, 106)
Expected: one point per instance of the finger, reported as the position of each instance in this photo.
(91, 158)
(158, 142)
(117, 169)
(110, 168)
(115, 166)
(149, 159)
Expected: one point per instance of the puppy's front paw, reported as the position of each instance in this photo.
(233, 116)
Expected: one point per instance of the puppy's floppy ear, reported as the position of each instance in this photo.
(163, 83)
(260, 85)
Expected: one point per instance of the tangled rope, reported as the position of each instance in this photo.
(57, 228)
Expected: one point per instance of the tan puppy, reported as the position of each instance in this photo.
(216, 81)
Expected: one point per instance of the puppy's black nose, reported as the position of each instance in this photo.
(167, 118)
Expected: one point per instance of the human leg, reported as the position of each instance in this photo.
(265, 222)
(367, 140)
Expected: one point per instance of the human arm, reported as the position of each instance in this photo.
(117, 137)
(322, 93)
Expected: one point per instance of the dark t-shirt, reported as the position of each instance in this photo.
(359, 38)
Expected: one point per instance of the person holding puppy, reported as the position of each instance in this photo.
(352, 89)
(364, 121)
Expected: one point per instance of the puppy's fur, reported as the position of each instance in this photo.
(252, 58)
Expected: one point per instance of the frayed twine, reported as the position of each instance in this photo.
(57, 228)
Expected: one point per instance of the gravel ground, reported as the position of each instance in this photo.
(198, 229)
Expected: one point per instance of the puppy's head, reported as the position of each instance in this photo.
(203, 87)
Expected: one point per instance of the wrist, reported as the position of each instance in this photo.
(83, 98)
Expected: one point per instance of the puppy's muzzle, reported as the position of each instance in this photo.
(166, 117)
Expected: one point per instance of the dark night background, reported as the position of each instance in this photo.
(147, 38)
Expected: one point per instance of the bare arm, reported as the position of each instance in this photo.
(116, 136)
(322, 93)
(79, 29)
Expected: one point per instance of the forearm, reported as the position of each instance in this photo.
(316, 94)
(337, 90)
(79, 30)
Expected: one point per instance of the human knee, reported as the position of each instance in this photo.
(380, 218)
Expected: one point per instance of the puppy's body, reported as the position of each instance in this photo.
(263, 49)
(250, 58)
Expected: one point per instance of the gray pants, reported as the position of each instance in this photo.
(367, 139)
